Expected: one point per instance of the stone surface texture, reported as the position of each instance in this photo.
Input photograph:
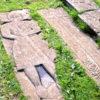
(82, 5)
(22, 40)
(82, 45)
(92, 18)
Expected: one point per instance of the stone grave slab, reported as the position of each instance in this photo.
(82, 45)
(22, 40)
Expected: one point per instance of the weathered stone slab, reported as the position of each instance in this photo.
(22, 40)
(19, 28)
(84, 48)
(82, 5)
(27, 87)
(92, 18)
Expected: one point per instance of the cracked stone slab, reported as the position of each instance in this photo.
(82, 5)
(22, 40)
(83, 46)
(92, 18)
(26, 53)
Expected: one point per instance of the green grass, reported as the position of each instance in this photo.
(71, 76)
(9, 87)
(97, 2)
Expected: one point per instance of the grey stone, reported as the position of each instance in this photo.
(82, 5)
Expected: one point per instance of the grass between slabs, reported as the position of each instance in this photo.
(74, 82)
(98, 2)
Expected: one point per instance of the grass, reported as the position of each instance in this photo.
(74, 82)
(98, 2)
(9, 87)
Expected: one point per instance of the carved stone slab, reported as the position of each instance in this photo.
(92, 18)
(35, 68)
(82, 5)
(83, 46)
